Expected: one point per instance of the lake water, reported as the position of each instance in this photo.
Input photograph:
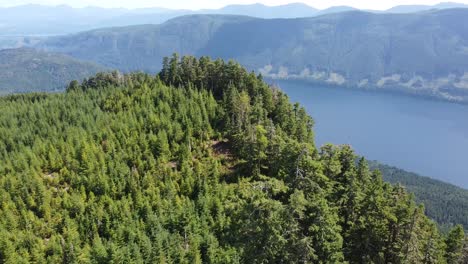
(416, 134)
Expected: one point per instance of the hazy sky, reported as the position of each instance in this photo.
(199, 4)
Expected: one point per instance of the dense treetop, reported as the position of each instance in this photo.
(202, 163)
(445, 203)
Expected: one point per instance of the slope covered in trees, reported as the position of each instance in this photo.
(445, 203)
(202, 163)
(25, 70)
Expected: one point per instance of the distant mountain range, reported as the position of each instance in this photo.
(26, 70)
(262, 11)
(419, 8)
(57, 20)
(13, 42)
(424, 53)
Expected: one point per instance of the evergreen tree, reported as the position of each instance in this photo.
(203, 163)
(454, 245)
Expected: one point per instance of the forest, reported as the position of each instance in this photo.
(202, 163)
(445, 203)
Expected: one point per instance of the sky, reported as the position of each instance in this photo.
(201, 4)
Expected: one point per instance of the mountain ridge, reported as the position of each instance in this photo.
(64, 19)
(25, 70)
(424, 53)
(420, 8)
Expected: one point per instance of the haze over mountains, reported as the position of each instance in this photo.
(424, 53)
(63, 19)
(406, 48)
(419, 8)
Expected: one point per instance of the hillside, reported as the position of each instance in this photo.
(24, 70)
(142, 47)
(203, 163)
(424, 53)
(14, 42)
(445, 203)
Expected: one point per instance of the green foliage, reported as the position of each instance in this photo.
(203, 163)
(454, 245)
(444, 203)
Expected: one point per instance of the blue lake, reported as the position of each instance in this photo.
(424, 136)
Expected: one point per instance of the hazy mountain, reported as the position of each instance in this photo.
(143, 47)
(24, 70)
(140, 18)
(57, 20)
(12, 42)
(293, 10)
(52, 20)
(447, 5)
(424, 53)
(419, 8)
(336, 9)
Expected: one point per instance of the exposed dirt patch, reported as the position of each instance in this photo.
(50, 176)
(221, 148)
(172, 164)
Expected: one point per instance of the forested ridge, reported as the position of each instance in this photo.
(445, 203)
(203, 163)
(28, 70)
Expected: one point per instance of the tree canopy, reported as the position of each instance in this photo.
(203, 163)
